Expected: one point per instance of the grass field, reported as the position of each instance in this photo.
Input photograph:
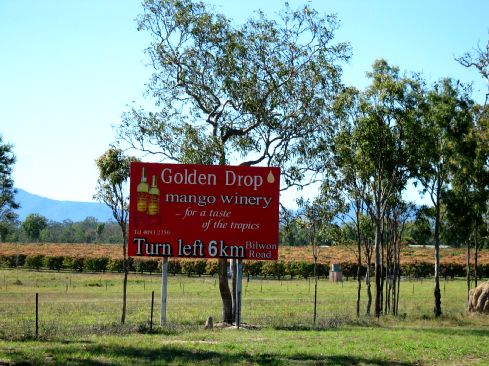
(79, 324)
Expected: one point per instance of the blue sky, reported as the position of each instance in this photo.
(69, 69)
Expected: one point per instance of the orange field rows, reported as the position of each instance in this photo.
(335, 254)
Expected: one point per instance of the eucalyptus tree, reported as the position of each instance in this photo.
(346, 178)
(113, 167)
(397, 214)
(316, 218)
(380, 148)
(447, 119)
(33, 225)
(7, 190)
(478, 59)
(248, 94)
(468, 197)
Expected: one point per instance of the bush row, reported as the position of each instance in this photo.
(199, 267)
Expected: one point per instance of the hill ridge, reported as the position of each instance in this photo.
(58, 210)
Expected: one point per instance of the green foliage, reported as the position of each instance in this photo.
(241, 104)
(192, 266)
(33, 225)
(292, 269)
(115, 265)
(53, 263)
(212, 267)
(145, 265)
(98, 264)
(273, 269)
(7, 191)
(252, 268)
(293, 234)
(85, 231)
(74, 264)
(12, 261)
(113, 167)
(421, 230)
(34, 261)
(187, 266)
(174, 266)
(200, 266)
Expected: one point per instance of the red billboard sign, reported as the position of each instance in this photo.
(203, 211)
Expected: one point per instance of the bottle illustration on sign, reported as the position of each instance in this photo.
(148, 200)
(143, 193)
(154, 202)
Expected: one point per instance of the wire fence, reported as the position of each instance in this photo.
(71, 304)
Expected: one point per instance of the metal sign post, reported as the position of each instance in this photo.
(239, 286)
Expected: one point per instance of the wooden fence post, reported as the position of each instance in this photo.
(152, 308)
(37, 314)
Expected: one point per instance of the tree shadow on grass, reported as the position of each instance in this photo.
(465, 332)
(98, 355)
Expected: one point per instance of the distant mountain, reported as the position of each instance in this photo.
(60, 210)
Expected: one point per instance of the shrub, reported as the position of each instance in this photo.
(452, 270)
(212, 267)
(273, 269)
(20, 260)
(53, 263)
(74, 264)
(34, 261)
(187, 266)
(349, 269)
(151, 265)
(12, 260)
(96, 264)
(292, 269)
(174, 266)
(484, 270)
(200, 266)
(8, 261)
(305, 269)
(252, 268)
(418, 269)
(141, 265)
(115, 265)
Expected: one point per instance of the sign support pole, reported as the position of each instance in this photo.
(239, 286)
(164, 286)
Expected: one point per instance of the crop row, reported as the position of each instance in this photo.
(275, 269)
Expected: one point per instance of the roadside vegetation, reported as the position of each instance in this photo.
(79, 323)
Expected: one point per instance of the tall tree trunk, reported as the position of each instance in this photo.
(359, 258)
(468, 270)
(398, 276)
(226, 296)
(315, 289)
(234, 267)
(378, 267)
(437, 292)
(382, 266)
(227, 300)
(368, 276)
(359, 285)
(476, 255)
(124, 279)
(388, 269)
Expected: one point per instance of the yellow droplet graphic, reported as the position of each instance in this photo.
(270, 177)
